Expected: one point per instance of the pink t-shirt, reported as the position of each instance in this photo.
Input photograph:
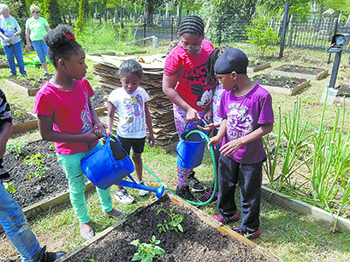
(192, 84)
(70, 111)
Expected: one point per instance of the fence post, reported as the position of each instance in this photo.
(172, 28)
(144, 30)
(285, 20)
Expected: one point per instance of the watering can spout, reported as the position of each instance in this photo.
(159, 190)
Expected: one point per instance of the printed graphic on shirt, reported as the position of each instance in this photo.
(86, 116)
(239, 122)
(134, 116)
(196, 80)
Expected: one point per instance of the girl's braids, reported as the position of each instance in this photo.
(131, 67)
(214, 55)
(191, 24)
(61, 43)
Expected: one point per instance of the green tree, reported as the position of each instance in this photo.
(84, 14)
(52, 12)
(228, 19)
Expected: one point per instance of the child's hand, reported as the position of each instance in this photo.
(208, 116)
(231, 147)
(100, 129)
(192, 115)
(207, 128)
(151, 140)
(214, 141)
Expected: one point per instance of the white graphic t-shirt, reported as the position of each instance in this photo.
(130, 109)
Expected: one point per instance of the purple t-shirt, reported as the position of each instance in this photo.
(244, 115)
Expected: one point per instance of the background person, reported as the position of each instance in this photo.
(247, 115)
(66, 117)
(10, 40)
(184, 82)
(12, 218)
(130, 104)
(36, 28)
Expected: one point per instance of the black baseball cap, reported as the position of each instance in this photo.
(231, 60)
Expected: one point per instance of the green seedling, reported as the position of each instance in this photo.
(17, 148)
(146, 252)
(37, 161)
(173, 224)
(9, 187)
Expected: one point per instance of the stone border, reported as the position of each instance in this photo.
(260, 67)
(287, 91)
(29, 92)
(300, 75)
(226, 230)
(315, 213)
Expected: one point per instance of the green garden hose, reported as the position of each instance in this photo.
(214, 166)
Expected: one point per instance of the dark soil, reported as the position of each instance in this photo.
(311, 70)
(198, 242)
(280, 81)
(343, 90)
(30, 82)
(32, 190)
(20, 115)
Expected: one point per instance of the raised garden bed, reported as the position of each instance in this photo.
(343, 95)
(202, 239)
(22, 120)
(255, 66)
(29, 85)
(311, 72)
(281, 84)
(3, 63)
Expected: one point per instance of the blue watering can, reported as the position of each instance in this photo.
(109, 165)
(190, 149)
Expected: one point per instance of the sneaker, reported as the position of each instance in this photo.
(248, 235)
(123, 197)
(141, 191)
(195, 185)
(12, 75)
(49, 256)
(185, 193)
(219, 217)
(207, 194)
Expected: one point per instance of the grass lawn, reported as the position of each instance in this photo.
(285, 233)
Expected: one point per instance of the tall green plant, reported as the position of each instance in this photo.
(83, 15)
(295, 149)
(261, 34)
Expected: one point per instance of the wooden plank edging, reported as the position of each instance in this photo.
(287, 91)
(29, 92)
(300, 75)
(313, 212)
(252, 69)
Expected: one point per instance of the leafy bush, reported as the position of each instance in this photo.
(146, 252)
(261, 34)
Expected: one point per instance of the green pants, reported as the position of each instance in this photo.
(76, 180)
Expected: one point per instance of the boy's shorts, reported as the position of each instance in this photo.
(137, 144)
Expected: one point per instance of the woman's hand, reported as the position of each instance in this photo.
(192, 115)
(29, 46)
(7, 39)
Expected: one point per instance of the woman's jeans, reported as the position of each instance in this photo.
(41, 50)
(12, 52)
(16, 228)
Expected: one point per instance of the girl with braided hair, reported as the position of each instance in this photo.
(211, 79)
(184, 82)
(66, 117)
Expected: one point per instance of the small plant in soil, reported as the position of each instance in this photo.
(9, 187)
(17, 113)
(174, 224)
(146, 252)
(36, 160)
(17, 148)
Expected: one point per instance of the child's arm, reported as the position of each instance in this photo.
(110, 118)
(169, 83)
(234, 145)
(149, 126)
(99, 127)
(215, 140)
(5, 132)
(47, 133)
